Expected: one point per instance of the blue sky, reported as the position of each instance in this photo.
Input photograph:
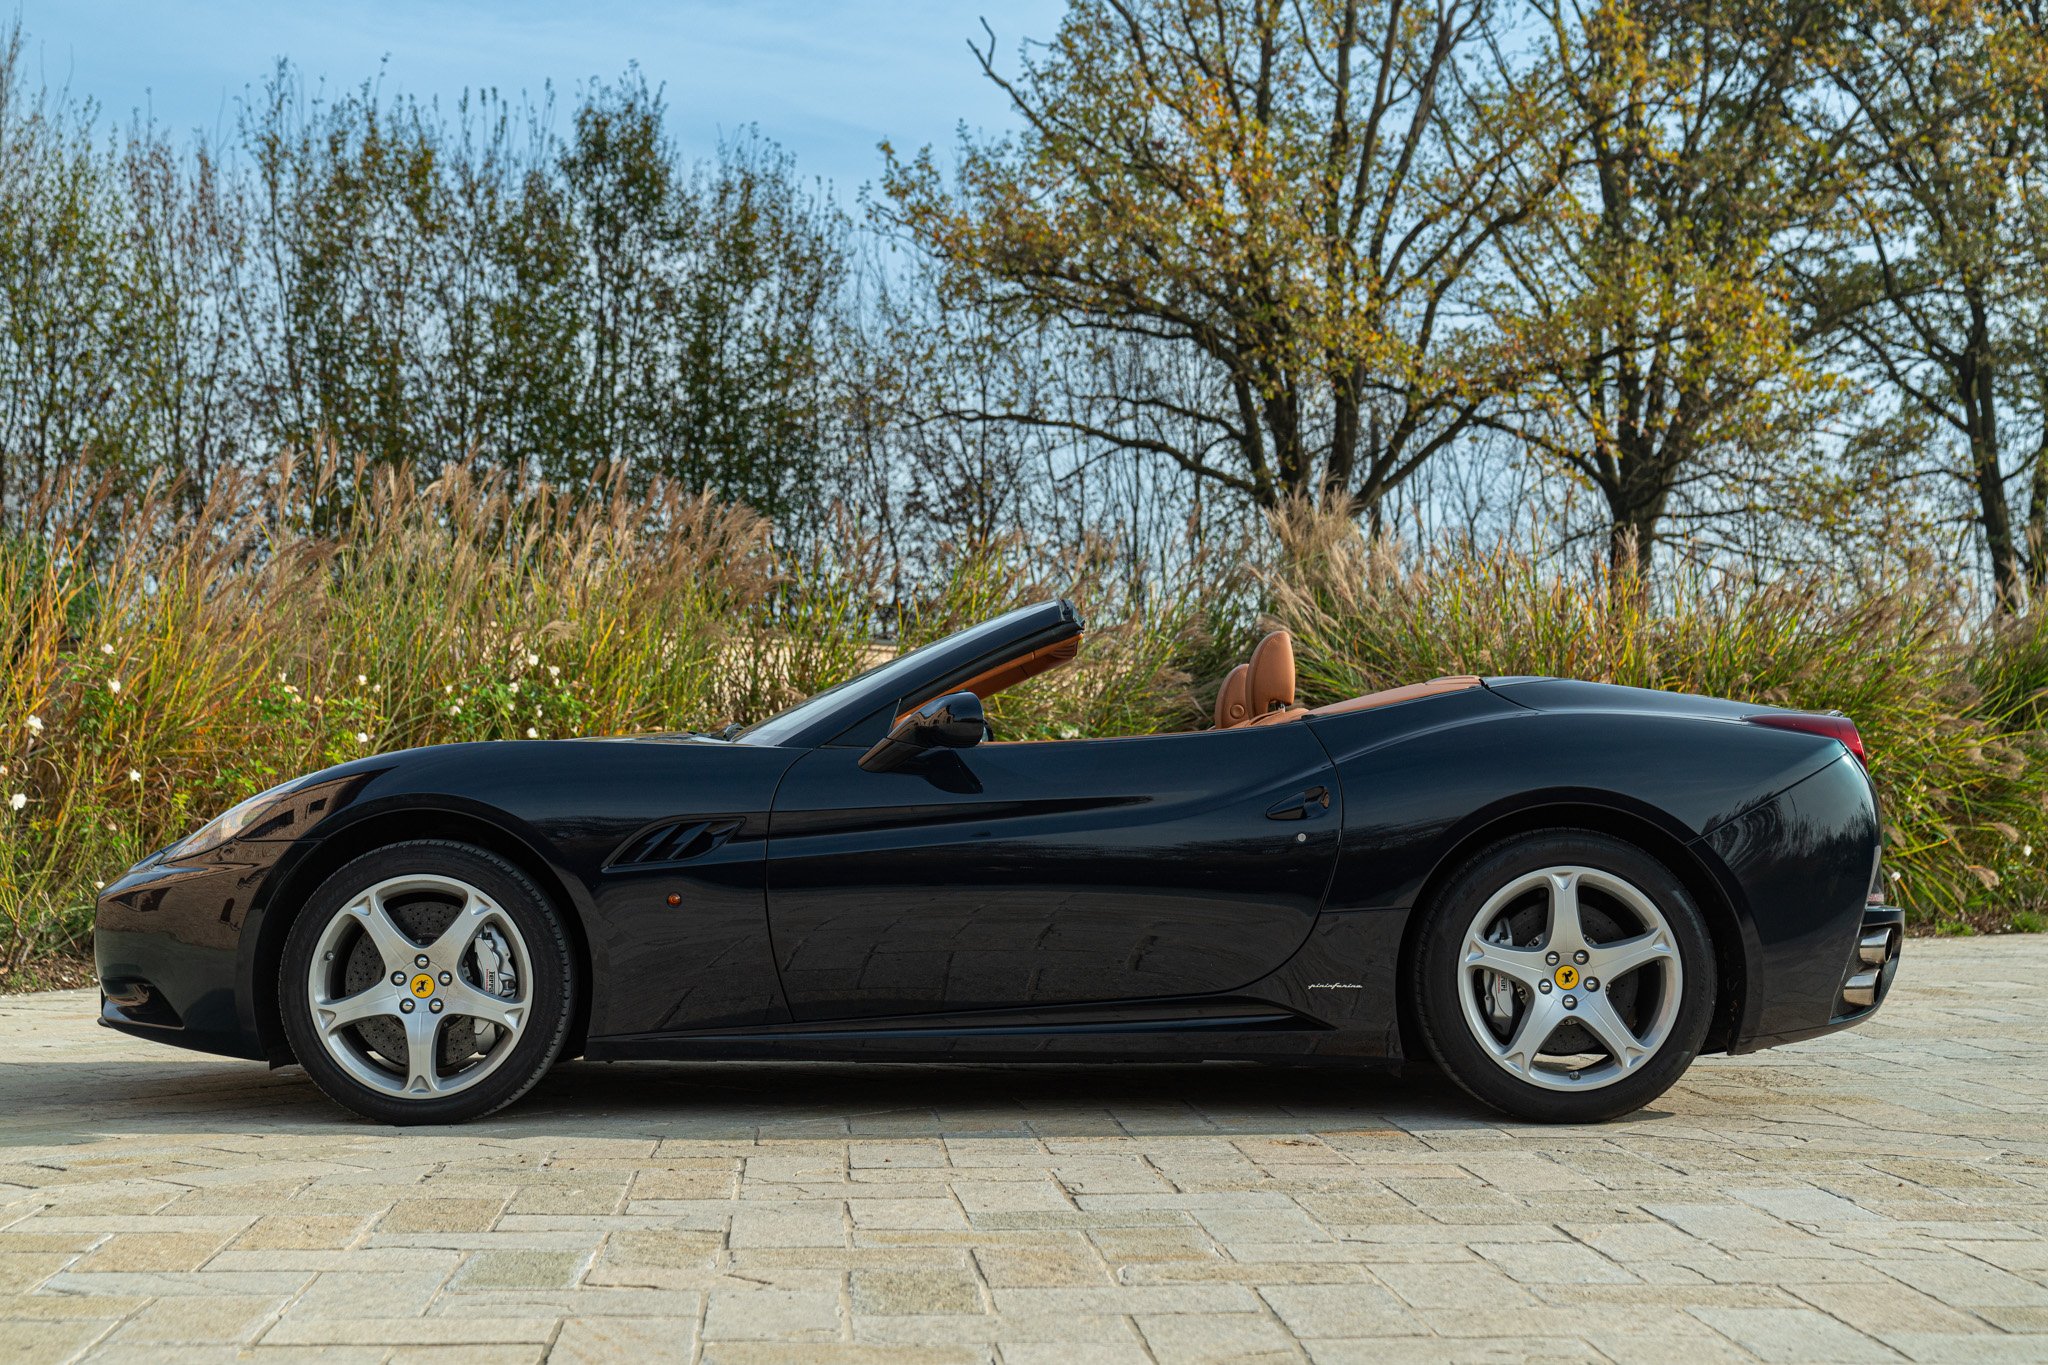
(827, 79)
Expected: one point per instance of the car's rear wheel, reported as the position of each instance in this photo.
(1564, 976)
(427, 982)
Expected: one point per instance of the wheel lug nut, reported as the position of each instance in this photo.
(447, 977)
(1551, 958)
(1580, 957)
(434, 1007)
(1571, 1002)
(1592, 984)
(1543, 986)
(398, 978)
(405, 1007)
(420, 961)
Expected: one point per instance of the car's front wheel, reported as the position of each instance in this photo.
(427, 982)
(1564, 976)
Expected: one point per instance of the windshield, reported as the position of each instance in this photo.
(884, 682)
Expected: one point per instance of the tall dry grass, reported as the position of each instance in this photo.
(1950, 706)
(163, 661)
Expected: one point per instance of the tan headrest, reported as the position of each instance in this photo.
(1271, 686)
(1231, 706)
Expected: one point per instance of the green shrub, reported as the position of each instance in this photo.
(1949, 711)
(163, 664)
(164, 661)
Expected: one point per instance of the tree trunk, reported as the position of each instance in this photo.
(1976, 376)
(1636, 498)
(2037, 519)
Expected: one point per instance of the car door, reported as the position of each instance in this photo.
(1021, 875)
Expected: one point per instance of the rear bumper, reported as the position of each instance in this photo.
(1866, 979)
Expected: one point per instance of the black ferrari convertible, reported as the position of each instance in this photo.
(1560, 892)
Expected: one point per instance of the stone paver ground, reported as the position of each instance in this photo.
(1876, 1195)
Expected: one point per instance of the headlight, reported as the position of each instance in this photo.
(229, 825)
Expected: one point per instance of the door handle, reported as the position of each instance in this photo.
(1299, 807)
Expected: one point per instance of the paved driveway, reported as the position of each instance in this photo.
(1877, 1194)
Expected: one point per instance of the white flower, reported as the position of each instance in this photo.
(114, 685)
(2026, 850)
(455, 710)
(515, 687)
(35, 723)
(448, 689)
(134, 776)
(532, 733)
(533, 661)
(18, 800)
(378, 688)
(362, 737)
(362, 678)
(99, 886)
(106, 649)
(554, 672)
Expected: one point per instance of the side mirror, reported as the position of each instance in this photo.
(954, 721)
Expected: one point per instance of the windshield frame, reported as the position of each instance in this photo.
(827, 716)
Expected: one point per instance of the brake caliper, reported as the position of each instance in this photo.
(494, 964)
(1497, 988)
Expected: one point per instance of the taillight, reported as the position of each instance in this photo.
(1834, 725)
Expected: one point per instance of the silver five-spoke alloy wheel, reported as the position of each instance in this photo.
(419, 986)
(1570, 978)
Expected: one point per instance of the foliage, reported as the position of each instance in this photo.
(1647, 303)
(163, 664)
(1285, 198)
(413, 289)
(1945, 116)
(1950, 710)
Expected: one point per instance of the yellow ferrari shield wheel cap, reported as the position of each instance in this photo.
(423, 985)
(1567, 976)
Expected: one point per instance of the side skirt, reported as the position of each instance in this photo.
(1334, 999)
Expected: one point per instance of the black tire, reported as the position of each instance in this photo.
(1437, 976)
(551, 993)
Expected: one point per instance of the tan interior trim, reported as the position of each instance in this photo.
(1412, 692)
(1010, 672)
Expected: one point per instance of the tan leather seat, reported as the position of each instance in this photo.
(1232, 706)
(1262, 692)
(1271, 686)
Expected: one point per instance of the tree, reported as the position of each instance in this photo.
(1649, 304)
(66, 306)
(1946, 116)
(1286, 197)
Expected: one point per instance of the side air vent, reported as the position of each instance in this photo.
(674, 841)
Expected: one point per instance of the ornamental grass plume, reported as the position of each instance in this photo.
(1950, 707)
(315, 612)
(312, 612)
